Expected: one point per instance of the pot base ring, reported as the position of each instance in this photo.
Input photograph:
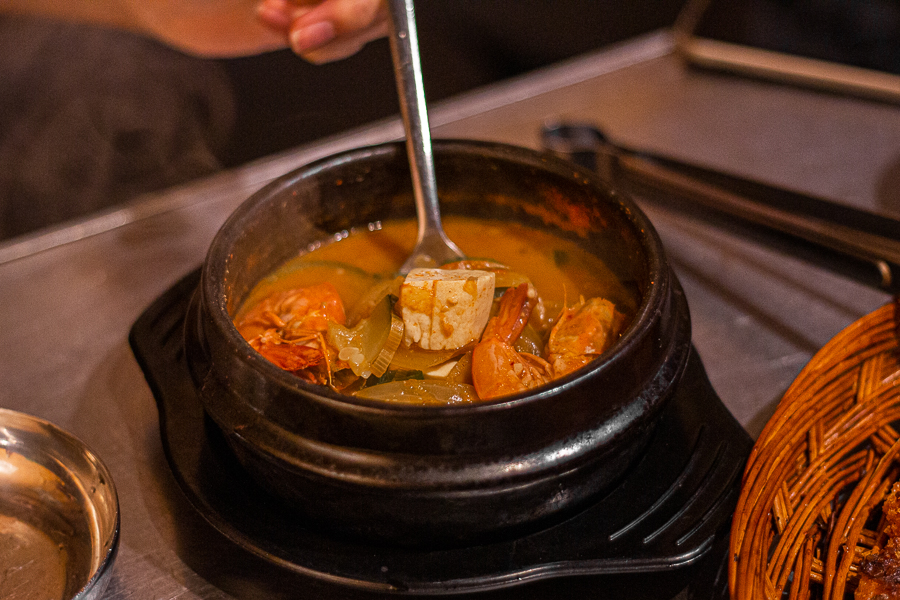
(661, 530)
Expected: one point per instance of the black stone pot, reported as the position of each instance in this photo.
(436, 476)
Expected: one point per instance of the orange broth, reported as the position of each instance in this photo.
(559, 269)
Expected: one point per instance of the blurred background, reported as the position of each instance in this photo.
(90, 118)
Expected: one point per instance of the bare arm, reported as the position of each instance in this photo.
(318, 30)
(100, 12)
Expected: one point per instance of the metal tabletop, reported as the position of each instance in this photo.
(69, 296)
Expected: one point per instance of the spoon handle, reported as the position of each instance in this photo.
(408, 71)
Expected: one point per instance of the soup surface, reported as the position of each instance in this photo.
(526, 308)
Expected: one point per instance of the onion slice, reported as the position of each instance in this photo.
(417, 391)
(395, 335)
(416, 359)
(362, 345)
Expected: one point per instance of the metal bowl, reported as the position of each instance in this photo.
(59, 513)
(431, 475)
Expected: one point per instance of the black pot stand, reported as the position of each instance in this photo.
(661, 530)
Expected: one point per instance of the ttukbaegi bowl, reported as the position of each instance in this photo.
(430, 475)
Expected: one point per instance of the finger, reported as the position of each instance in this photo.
(342, 25)
(279, 15)
(347, 16)
(273, 17)
(344, 47)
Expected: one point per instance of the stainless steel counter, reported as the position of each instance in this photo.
(68, 297)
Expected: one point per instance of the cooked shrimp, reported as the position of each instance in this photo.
(296, 355)
(497, 369)
(583, 331)
(287, 327)
(299, 309)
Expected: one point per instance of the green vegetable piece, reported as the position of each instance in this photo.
(413, 391)
(395, 375)
(561, 257)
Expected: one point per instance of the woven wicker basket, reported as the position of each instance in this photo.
(810, 503)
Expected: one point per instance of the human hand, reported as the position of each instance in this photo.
(325, 30)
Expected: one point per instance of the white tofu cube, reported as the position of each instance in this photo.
(445, 309)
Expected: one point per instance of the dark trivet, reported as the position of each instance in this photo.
(660, 531)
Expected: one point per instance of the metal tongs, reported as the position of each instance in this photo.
(853, 242)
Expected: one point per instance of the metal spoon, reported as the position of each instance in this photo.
(433, 247)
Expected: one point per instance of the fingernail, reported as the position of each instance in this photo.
(312, 36)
